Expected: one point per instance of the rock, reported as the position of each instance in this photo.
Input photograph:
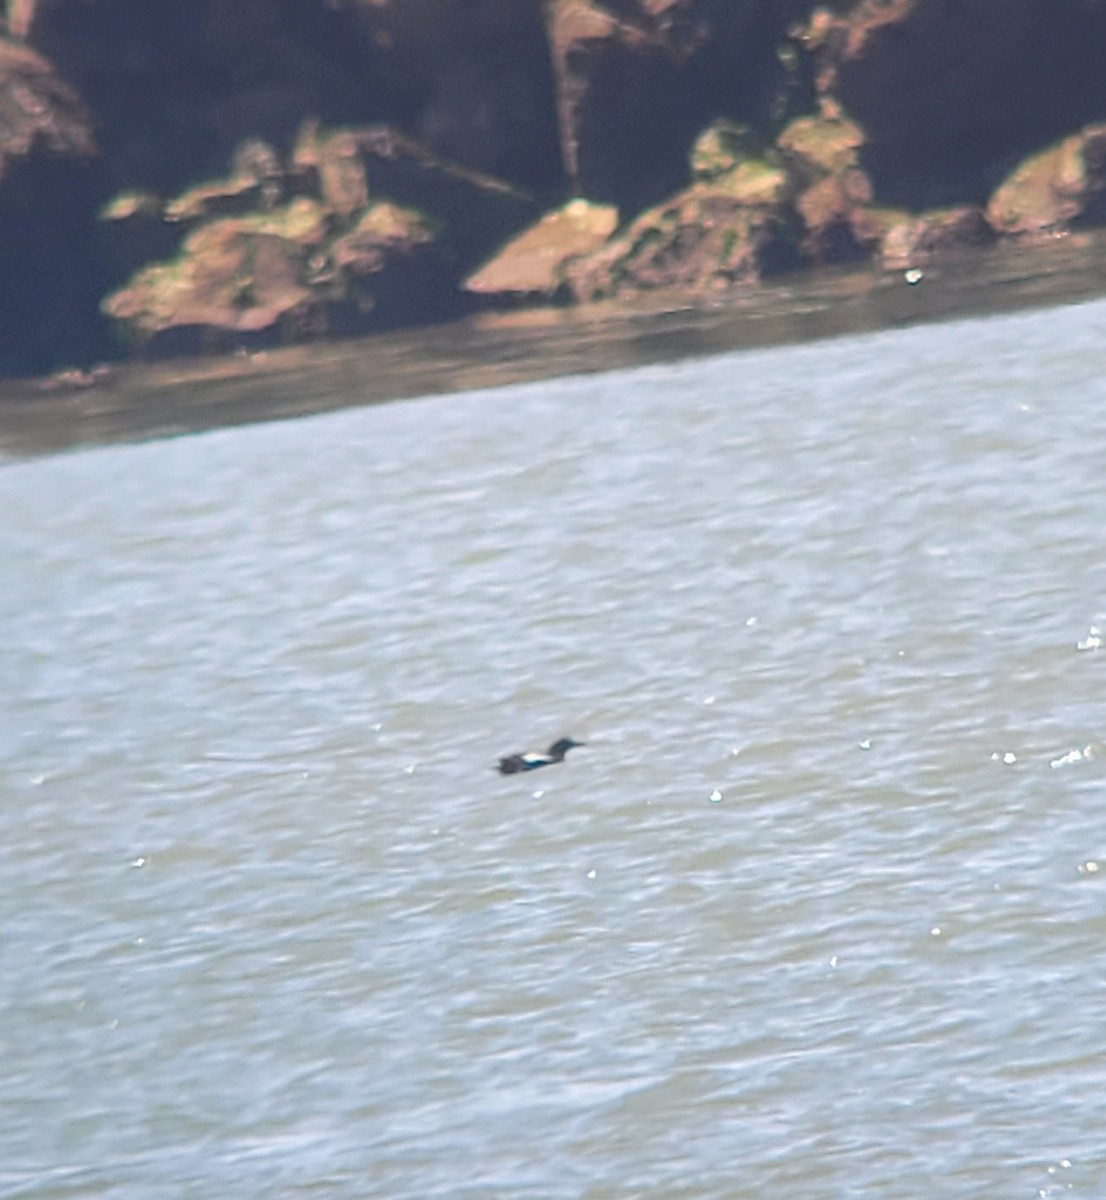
(820, 146)
(533, 264)
(132, 206)
(21, 17)
(348, 245)
(255, 182)
(1052, 189)
(733, 224)
(233, 283)
(923, 107)
(75, 379)
(753, 183)
(713, 234)
(335, 168)
(39, 112)
(823, 155)
(720, 147)
(384, 231)
(234, 276)
(393, 264)
(143, 228)
(907, 239)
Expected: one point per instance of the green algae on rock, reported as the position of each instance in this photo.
(283, 272)
(234, 275)
(342, 248)
(704, 237)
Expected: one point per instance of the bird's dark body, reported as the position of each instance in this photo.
(514, 763)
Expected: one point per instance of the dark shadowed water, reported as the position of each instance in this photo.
(817, 913)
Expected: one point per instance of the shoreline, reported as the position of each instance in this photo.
(146, 401)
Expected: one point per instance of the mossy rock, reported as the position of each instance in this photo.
(822, 145)
(233, 275)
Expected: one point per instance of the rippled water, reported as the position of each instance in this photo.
(816, 913)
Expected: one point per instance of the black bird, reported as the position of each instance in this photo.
(514, 763)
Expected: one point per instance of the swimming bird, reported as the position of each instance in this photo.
(514, 763)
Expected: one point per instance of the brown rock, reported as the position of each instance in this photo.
(392, 263)
(350, 244)
(133, 206)
(1053, 188)
(821, 146)
(823, 154)
(38, 110)
(753, 183)
(719, 148)
(255, 182)
(533, 264)
(384, 232)
(907, 239)
(839, 225)
(336, 166)
(712, 234)
(21, 17)
(233, 276)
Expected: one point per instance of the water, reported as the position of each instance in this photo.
(816, 914)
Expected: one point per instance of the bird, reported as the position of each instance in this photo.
(514, 763)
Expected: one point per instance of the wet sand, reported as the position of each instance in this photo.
(140, 401)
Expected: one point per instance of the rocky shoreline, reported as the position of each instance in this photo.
(237, 175)
(138, 401)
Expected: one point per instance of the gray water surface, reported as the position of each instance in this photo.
(817, 913)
